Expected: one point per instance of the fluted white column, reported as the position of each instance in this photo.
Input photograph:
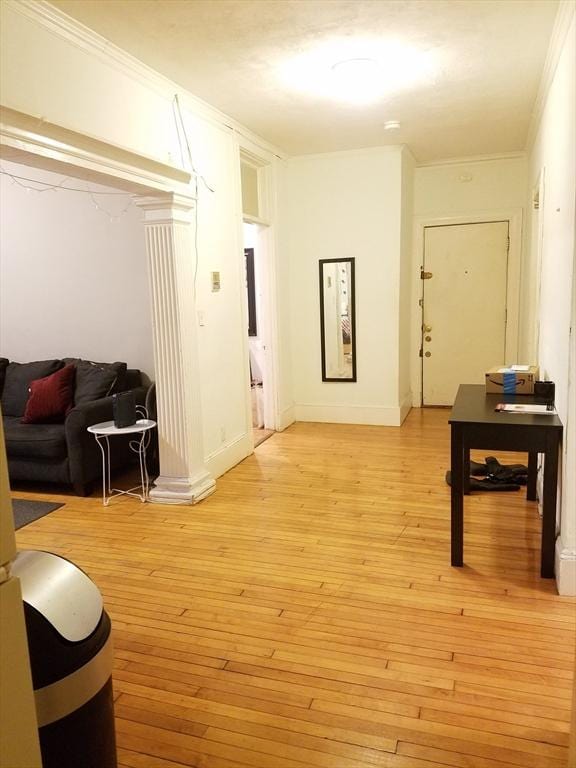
(171, 258)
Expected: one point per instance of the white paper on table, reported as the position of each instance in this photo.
(528, 408)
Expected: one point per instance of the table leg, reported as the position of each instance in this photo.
(532, 476)
(105, 451)
(144, 480)
(456, 494)
(550, 494)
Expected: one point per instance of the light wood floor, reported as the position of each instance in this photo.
(307, 614)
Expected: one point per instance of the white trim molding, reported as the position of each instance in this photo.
(566, 9)
(26, 139)
(231, 453)
(85, 39)
(405, 407)
(374, 415)
(565, 569)
(286, 418)
(469, 159)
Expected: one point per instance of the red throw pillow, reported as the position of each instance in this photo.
(51, 397)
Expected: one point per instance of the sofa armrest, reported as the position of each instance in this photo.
(95, 411)
(84, 455)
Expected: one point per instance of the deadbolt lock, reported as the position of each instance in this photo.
(428, 338)
(426, 328)
(427, 354)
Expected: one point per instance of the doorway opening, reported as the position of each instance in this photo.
(254, 260)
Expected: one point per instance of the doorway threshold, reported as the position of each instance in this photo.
(260, 435)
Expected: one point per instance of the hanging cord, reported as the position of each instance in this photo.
(24, 182)
(180, 127)
(181, 131)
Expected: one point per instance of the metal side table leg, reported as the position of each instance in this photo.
(143, 467)
(105, 451)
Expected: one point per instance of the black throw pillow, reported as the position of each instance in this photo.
(119, 369)
(93, 381)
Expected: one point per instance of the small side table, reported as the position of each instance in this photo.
(103, 432)
(475, 423)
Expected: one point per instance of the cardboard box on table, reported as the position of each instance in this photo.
(501, 380)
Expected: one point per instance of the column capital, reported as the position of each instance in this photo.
(162, 209)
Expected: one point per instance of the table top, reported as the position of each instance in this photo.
(108, 428)
(474, 406)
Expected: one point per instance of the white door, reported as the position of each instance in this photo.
(464, 306)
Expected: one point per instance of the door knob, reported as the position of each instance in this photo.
(426, 328)
(428, 338)
(427, 354)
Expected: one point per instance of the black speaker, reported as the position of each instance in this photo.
(546, 390)
(124, 409)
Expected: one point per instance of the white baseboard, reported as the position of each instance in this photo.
(351, 414)
(285, 418)
(220, 461)
(405, 407)
(565, 569)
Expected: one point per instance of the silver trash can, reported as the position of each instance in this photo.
(70, 644)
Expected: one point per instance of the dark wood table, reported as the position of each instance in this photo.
(476, 424)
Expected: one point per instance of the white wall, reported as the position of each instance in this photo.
(340, 205)
(73, 283)
(473, 186)
(53, 69)
(554, 153)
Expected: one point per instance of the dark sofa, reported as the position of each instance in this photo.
(62, 450)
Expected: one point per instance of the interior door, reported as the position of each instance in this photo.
(464, 306)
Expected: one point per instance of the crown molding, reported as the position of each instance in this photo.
(469, 159)
(560, 30)
(84, 38)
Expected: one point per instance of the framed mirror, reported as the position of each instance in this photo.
(337, 320)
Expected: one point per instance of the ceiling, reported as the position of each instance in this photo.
(488, 55)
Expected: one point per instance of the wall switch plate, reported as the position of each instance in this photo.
(215, 281)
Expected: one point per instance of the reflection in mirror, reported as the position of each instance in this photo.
(337, 320)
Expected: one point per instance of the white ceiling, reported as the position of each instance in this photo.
(490, 56)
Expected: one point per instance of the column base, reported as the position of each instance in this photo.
(565, 569)
(182, 490)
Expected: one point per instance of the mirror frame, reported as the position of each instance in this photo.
(321, 263)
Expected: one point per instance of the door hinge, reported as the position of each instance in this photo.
(421, 353)
(425, 275)
(508, 244)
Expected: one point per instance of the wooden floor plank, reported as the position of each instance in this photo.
(306, 614)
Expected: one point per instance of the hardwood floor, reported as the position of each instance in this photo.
(307, 614)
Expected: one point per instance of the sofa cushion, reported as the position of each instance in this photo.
(51, 397)
(34, 441)
(87, 379)
(3, 365)
(17, 382)
(93, 381)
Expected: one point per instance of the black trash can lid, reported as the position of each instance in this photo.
(59, 591)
